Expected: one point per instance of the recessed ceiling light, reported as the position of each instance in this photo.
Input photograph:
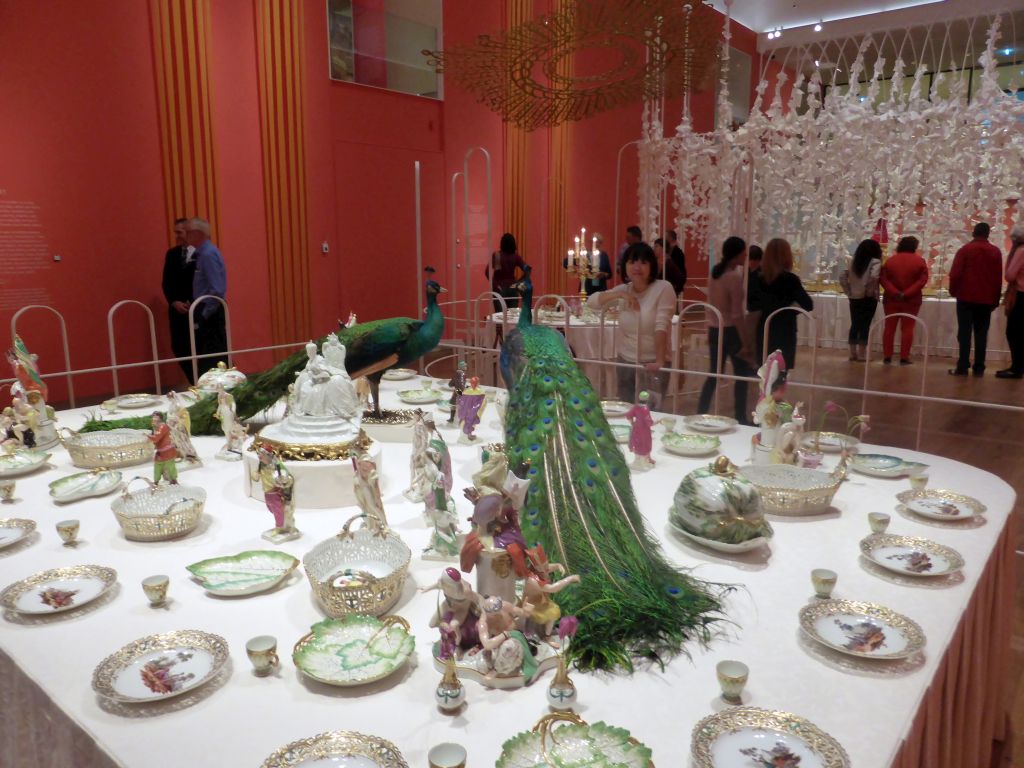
(771, 35)
(817, 27)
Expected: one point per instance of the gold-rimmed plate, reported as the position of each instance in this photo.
(911, 556)
(748, 736)
(865, 630)
(15, 529)
(342, 749)
(709, 422)
(58, 589)
(941, 505)
(398, 374)
(615, 408)
(138, 400)
(828, 442)
(159, 667)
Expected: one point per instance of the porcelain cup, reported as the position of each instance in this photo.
(447, 755)
(155, 588)
(262, 652)
(428, 384)
(732, 677)
(919, 479)
(668, 423)
(824, 582)
(68, 531)
(6, 491)
(878, 521)
(110, 406)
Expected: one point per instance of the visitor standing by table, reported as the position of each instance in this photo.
(179, 271)
(210, 279)
(677, 257)
(780, 287)
(633, 236)
(904, 275)
(504, 263)
(975, 281)
(1014, 305)
(860, 284)
(668, 269)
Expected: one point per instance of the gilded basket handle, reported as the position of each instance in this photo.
(146, 480)
(382, 529)
(545, 725)
(61, 438)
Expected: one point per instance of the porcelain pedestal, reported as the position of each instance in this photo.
(318, 484)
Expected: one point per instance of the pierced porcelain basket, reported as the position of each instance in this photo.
(159, 512)
(789, 490)
(359, 571)
(108, 450)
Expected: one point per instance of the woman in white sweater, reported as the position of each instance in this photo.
(860, 283)
(644, 324)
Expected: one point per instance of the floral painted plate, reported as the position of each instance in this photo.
(866, 630)
(398, 374)
(748, 737)
(686, 444)
(941, 505)
(160, 667)
(828, 442)
(15, 529)
(615, 407)
(720, 546)
(576, 744)
(341, 749)
(139, 400)
(882, 465)
(354, 650)
(59, 589)
(246, 573)
(21, 462)
(82, 485)
(911, 556)
(418, 396)
(709, 422)
(621, 432)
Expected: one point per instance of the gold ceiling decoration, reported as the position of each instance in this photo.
(621, 51)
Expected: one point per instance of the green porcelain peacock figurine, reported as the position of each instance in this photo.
(631, 603)
(371, 349)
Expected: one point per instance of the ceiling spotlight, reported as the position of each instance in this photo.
(817, 27)
(771, 35)
(778, 32)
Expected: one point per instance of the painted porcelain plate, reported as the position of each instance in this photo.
(615, 407)
(709, 422)
(882, 465)
(82, 485)
(138, 400)
(21, 462)
(58, 589)
(910, 556)
(575, 744)
(748, 737)
(720, 546)
(339, 749)
(160, 667)
(620, 432)
(15, 529)
(418, 396)
(246, 573)
(941, 505)
(354, 650)
(398, 374)
(686, 444)
(866, 630)
(829, 442)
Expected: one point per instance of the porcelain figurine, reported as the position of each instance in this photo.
(772, 410)
(640, 441)
(786, 447)
(419, 485)
(229, 425)
(220, 376)
(26, 370)
(457, 614)
(365, 393)
(562, 691)
(366, 482)
(29, 393)
(440, 513)
(718, 504)
(13, 429)
(278, 491)
(180, 424)
(323, 388)
(538, 587)
(165, 458)
(506, 650)
(471, 404)
(351, 320)
(458, 383)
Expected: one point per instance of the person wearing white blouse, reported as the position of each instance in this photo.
(648, 305)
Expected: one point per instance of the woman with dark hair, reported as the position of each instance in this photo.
(860, 284)
(780, 287)
(726, 294)
(644, 324)
(504, 262)
(904, 275)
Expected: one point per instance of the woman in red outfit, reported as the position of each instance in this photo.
(904, 276)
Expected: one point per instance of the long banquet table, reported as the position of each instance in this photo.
(942, 709)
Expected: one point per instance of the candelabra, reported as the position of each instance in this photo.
(584, 264)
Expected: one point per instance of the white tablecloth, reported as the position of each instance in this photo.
(870, 709)
(832, 315)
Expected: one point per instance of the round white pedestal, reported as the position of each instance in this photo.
(318, 484)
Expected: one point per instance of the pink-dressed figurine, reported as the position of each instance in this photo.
(278, 488)
(470, 408)
(640, 442)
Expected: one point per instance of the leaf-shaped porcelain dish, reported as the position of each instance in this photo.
(620, 432)
(615, 407)
(341, 749)
(882, 465)
(911, 556)
(685, 444)
(354, 650)
(418, 396)
(15, 529)
(83, 485)
(139, 400)
(828, 442)
(575, 744)
(398, 374)
(247, 573)
(748, 737)
(21, 462)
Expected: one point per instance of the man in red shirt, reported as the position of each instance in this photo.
(976, 282)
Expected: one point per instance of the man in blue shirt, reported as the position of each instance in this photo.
(210, 279)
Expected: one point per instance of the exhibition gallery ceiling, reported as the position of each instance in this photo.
(763, 15)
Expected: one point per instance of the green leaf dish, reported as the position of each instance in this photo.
(246, 573)
(21, 462)
(354, 650)
(575, 746)
(82, 485)
(687, 444)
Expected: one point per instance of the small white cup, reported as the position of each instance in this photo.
(447, 755)
(155, 588)
(68, 531)
(262, 652)
(732, 677)
(879, 521)
(668, 423)
(919, 479)
(6, 491)
(824, 582)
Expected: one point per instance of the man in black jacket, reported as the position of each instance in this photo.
(675, 253)
(179, 269)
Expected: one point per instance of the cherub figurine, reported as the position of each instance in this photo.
(232, 450)
(542, 611)
(180, 424)
(419, 486)
(278, 490)
(640, 443)
(351, 320)
(458, 385)
(457, 615)
(367, 490)
(440, 512)
(12, 431)
(506, 648)
(28, 419)
(166, 454)
(470, 408)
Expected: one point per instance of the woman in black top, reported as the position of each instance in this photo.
(505, 262)
(780, 287)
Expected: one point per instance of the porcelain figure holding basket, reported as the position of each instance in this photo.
(278, 490)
